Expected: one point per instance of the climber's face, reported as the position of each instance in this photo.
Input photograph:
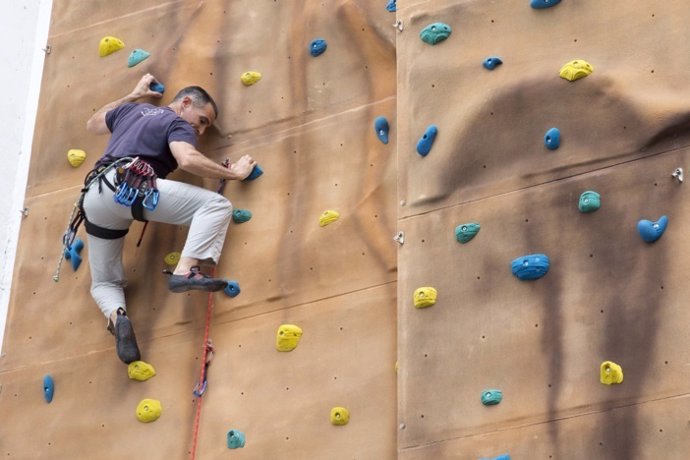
(200, 117)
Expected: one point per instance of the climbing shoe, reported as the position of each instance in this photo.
(195, 280)
(125, 340)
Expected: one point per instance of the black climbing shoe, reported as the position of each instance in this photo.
(125, 340)
(195, 280)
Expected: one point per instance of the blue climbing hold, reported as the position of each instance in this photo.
(652, 231)
(381, 127)
(73, 253)
(426, 141)
(136, 56)
(232, 289)
(391, 6)
(552, 139)
(317, 47)
(48, 388)
(541, 4)
(235, 439)
(530, 267)
(157, 87)
(500, 457)
(240, 216)
(492, 62)
(256, 172)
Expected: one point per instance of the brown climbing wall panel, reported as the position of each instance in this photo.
(309, 123)
(608, 295)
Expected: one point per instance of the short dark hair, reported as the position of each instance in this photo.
(198, 95)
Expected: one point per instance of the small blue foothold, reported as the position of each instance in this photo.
(530, 267)
(426, 141)
(500, 457)
(652, 231)
(541, 4)
(48, 388)
(391, 6)
(73, 253)
(381, 127)
(256, 172)
(317, 47)
(235, 439)
(157, 87)
(552, 139)
(492, 62)
(232, 289)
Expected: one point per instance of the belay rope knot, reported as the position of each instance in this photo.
(137, 179)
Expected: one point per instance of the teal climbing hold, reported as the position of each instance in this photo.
(235, 439)
(541, 4)
(435, 33)
(157, 87)
(552, 139)
(590, 201)
(73, 253)
(465, 232)
(530, 267)
(239, 216)
(381, 127)
(48, 388)
(256, 172)
(427, 140)
(492, 397)
(652, 231)
(492, 62)
(136, 56)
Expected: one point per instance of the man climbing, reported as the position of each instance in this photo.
(147, 143)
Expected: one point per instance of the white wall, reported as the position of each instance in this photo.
(23, 33)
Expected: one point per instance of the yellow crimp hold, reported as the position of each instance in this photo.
(328, 217)
(574, 70)
(424, 297)
(140, 370)
(251, 77)
(340, 416)
(172, 258)
(76, 157)
(109, 45)
(288, 337)
(148, 410)
(610, 373)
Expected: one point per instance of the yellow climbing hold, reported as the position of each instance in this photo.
(109, 45)
(148, 410)
(76, 157)
(288, 337)
(340, 416)
(610, 373)
(251, 77)
(424, 297)
(328, 217)
(574, 70)
(172, 258)
(140, 370)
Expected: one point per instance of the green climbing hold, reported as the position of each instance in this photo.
(435, 33)
(136, 56)
(492, 397)
(465, 232)
(590, 201)
(241, 215)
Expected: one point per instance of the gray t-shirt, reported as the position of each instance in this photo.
(145, 131)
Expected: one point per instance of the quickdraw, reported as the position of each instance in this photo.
(136, 179)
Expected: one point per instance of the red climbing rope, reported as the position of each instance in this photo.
(205, 360)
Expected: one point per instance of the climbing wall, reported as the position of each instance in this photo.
(608, 295)
(309, 124)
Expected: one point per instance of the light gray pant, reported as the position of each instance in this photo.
(206, 213)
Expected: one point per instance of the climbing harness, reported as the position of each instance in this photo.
(77, 216)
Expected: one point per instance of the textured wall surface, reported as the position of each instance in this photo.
(607, 296)
(309, 123)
